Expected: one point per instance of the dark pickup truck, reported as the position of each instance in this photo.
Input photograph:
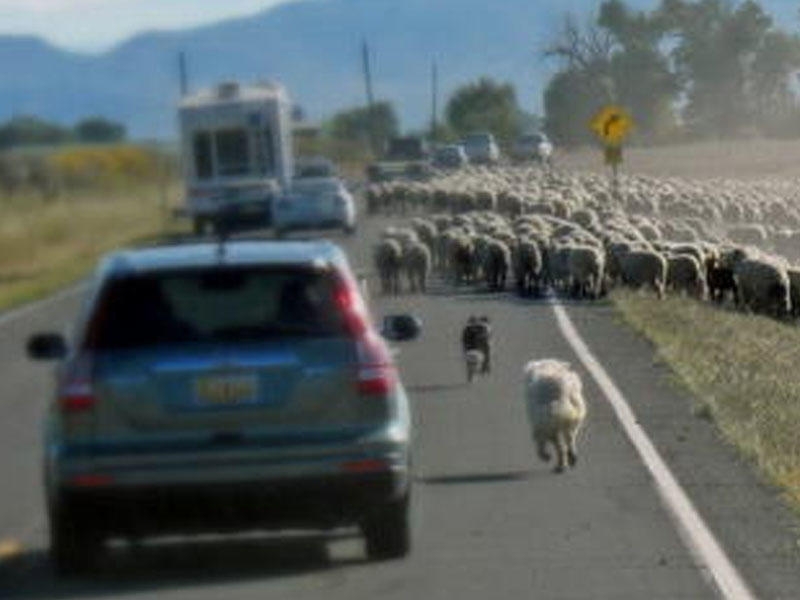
(405, 158)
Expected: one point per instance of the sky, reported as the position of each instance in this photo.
(96, 25)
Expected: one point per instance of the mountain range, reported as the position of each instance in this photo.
(311, 46)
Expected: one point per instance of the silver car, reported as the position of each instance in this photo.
(221, 387)
(481, 148)
(534, 146)
(315, 203)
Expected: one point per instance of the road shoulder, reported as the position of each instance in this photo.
(759, 533)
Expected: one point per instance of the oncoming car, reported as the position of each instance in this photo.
(451, 156)
(481, 148)
(212, 387)
(534, 146)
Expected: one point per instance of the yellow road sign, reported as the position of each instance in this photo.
(612, 124)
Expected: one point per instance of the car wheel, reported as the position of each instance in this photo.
(350, 229)
(387, 531)
(74, 541)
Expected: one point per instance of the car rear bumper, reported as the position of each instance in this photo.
(307, 502)
(327, 223)
(335, 216)
(236, 212)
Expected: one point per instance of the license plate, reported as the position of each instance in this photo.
(226, 390)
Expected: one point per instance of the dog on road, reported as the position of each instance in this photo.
(476, 345)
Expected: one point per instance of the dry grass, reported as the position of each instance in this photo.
(742, 370)
(737, 159)
(45, 245)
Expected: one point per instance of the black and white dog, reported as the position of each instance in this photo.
(476, 344)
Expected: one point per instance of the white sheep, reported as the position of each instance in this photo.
(763, 286)
(417, 262)
(586, 264)
(685, 274)
(556, 409)
(643, 267)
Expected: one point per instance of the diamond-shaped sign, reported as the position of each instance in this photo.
(611, 124)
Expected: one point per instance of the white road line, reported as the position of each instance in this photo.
(696, 535)
(27, 309)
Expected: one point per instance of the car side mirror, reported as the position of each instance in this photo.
(47, 346)
(401, 328)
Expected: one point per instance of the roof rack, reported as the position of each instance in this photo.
(178, 239)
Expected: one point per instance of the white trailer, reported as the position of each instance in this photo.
(237, 152)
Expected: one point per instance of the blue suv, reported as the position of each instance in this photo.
(221, 387)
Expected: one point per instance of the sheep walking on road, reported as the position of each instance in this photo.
(556, 409)
(528, 268)
(417, 263)
(389, 260)
(496, 265)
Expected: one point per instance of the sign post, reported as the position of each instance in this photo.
(611, 125)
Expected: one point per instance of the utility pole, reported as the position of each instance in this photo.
(434, 98)
(370, 97)
(183, 75)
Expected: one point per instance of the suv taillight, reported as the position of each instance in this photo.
(75, 391)
(376, 374)
(76, 397)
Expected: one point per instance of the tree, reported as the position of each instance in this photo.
(484, 106)
(582, 85)
(529, 122)
(722, 64)
(571, 98)
(717, 44)
(361, 124)
(774, 102)
(28, 131)
(97, 130)
(643, 80)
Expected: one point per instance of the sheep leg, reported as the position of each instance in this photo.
(541, 448)
(572, 454)
(385, 285)
(561, 452)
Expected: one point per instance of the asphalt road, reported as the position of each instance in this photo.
(491, 521)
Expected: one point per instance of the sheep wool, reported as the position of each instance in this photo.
(556, 409)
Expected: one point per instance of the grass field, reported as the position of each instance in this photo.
(742, 371)
(46, 244)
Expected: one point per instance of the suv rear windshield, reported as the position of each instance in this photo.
(214, 305)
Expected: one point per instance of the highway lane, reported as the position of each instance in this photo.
(490, 519)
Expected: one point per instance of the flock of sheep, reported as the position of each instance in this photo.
(571, 232)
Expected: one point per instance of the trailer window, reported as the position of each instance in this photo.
(203, 165)
(233, 157)
(265, 157)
